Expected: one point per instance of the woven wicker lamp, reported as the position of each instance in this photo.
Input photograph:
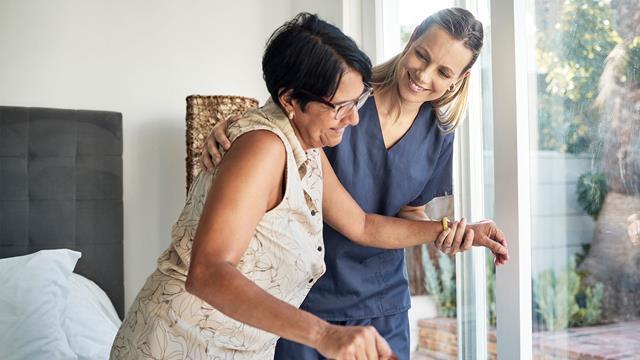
(203, 112)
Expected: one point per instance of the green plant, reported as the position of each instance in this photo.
(491, 289)
(440, 283)
(556, 297)
(562, 300)
(591, 190)
(591, 313)
(581, 256)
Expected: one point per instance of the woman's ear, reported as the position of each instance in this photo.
(461, 78)
(286, 101)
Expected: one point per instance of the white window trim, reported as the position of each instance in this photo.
(469, 198)
(471, 268)
(362, 20)
(512, 180)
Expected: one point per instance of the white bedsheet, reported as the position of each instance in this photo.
(90, 321)
(47, 312)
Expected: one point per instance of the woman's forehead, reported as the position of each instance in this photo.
(444, 49)
(350, 86)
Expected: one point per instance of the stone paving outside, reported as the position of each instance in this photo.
(614, 341)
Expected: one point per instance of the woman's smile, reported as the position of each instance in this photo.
(413, 86)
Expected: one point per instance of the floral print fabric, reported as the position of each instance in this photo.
(285, 258)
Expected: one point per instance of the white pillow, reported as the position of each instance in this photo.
(90, 321)
(32, 300)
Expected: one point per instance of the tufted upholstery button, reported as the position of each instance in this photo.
(319, 248)
(313, 213)
(310, 281)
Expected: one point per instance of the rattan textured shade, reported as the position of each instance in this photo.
(203, 112)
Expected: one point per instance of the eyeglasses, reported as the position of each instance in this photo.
(346, 107)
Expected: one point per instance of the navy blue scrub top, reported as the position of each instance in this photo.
(365, 282)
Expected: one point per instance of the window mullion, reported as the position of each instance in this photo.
(470, 266)
(512, 196)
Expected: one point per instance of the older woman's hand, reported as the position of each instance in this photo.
(353, 342)
(210, 156)
(461, 236)
(487, 234)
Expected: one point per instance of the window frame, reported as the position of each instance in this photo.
(512, 176)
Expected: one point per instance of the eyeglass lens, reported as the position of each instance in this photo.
(346, 109)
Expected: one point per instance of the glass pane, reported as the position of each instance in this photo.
(585, 188)
(489, 182)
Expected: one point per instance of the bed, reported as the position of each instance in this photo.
(61, 264)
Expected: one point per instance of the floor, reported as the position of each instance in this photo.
(604, 342)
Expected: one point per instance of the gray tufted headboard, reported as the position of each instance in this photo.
(61, 187)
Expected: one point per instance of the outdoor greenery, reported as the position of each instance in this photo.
(491, 289)
(632, 69)
(441, 283)
(570, 56)
(563, 300)
(591, 190)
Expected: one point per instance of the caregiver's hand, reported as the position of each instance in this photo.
(210, 156)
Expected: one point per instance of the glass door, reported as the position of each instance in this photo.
(585, 178)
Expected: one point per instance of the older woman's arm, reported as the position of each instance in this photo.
(457, 241)
(348, 218)
(247, 185)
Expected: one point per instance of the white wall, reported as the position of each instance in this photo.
(329, 10)
(141, 58)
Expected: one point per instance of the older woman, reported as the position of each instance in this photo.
(248, 245)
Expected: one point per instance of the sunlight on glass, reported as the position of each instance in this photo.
(586, 179)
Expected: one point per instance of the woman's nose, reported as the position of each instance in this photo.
(353, 118)
(425, 76)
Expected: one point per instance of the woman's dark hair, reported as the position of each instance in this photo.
(307, 53)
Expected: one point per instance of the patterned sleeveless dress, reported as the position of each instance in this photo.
(285, 258)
